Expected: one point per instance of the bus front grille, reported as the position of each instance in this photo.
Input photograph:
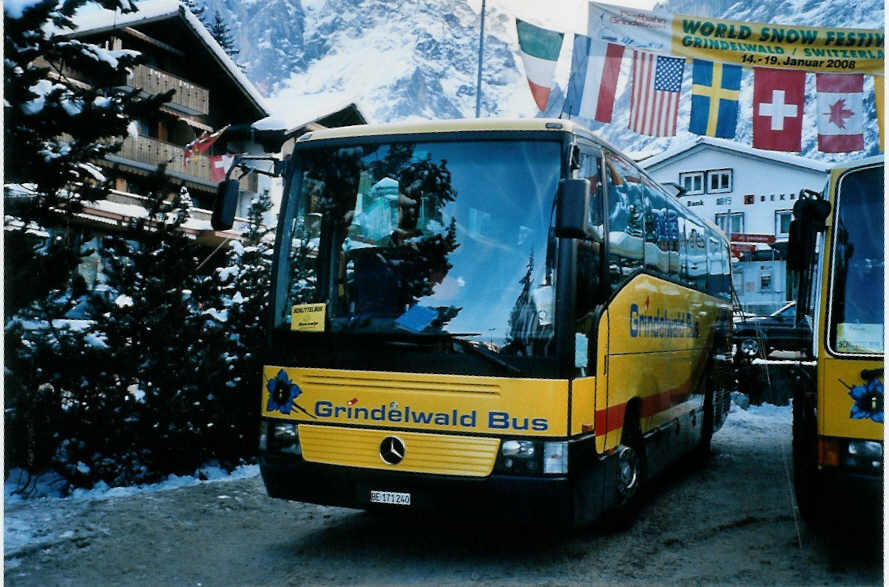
(439, 454)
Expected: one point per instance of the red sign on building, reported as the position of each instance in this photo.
(739, 237)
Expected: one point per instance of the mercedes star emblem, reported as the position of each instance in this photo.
(392, 450)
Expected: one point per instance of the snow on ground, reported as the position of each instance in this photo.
(27, 527)
(32, 528)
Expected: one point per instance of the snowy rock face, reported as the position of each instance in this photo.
(399, 60)
(404, 60)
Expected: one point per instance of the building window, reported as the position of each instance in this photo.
(719, 181)
(731, 223)
(765, 281)
(782, 222)
(692, 182)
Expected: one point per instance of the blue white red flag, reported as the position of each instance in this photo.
(595, 68)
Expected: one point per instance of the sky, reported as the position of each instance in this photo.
(563, 15)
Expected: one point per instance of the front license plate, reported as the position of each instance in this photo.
(390, 497)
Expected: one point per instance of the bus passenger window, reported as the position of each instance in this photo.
(626, 215)
(673, 236)
(655, 256)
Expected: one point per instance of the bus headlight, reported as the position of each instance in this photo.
(555, 458)
(864, 454)
(532, 457)
(283, 437)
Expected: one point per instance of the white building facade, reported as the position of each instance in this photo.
(749, 193)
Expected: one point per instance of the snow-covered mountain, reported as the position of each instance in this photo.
(405, 59)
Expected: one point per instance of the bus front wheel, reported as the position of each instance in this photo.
(631, 474)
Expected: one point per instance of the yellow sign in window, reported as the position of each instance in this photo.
(308, 317)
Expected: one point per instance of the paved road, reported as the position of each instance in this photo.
(731, 521)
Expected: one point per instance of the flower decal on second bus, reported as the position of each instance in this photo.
(868, 399)
(282, 394)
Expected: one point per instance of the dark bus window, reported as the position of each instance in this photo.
(626, 215)
(696, 247)
(589, 260)
(856, 313)
(672, 235)
(656, 255)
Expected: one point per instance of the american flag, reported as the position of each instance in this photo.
(654, 104)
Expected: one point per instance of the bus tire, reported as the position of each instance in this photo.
(702, 450)
(804, 460)
(631, 473)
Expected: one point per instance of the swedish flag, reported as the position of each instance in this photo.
(714, 98)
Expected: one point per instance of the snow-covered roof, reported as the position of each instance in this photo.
(725, 145)
(304, 110)
(95, 19)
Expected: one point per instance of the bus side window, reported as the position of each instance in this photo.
(626, 214)
(682, 250)
(726, 259)
(656, 259)
(588, 272)
(674, 235)
(697, 255)
(714, 261)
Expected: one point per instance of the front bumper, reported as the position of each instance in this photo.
(557, 500)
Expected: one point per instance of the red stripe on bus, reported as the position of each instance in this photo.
(612, 418)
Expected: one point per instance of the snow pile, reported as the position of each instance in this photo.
(29, 527)
(765, 420)
(19, 486)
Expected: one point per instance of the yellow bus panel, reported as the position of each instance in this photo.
(439, 454)
(446, 403)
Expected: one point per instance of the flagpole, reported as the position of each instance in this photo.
(481, 49)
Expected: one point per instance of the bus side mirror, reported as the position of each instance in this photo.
(225, 205)
(809, 216)
(573, 209)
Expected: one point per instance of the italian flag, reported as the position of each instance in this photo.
(540, 52)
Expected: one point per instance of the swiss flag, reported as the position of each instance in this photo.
(778, 100)
(840, 112)
(219, 166)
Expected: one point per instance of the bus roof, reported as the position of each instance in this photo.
(858, 162)
(553, 125)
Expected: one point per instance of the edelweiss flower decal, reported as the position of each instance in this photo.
(868, 401)
(282, 393)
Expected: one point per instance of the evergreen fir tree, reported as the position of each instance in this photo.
(54, 131)
(234, 333)
(195, 8)
(151, 329)
(223, 35)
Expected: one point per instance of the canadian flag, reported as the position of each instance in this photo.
(840, 112)
(778, 100)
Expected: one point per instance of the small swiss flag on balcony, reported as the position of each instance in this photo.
(201, 145)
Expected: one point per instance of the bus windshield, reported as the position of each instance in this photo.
(424, 241)
(856, 323)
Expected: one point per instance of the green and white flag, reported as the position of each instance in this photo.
(540, 52)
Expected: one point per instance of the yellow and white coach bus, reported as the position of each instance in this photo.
(501, 317)
(838, 401)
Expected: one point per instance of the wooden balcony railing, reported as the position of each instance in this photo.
(189, 97)
(155, 152)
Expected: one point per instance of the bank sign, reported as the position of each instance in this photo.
(820, 49)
